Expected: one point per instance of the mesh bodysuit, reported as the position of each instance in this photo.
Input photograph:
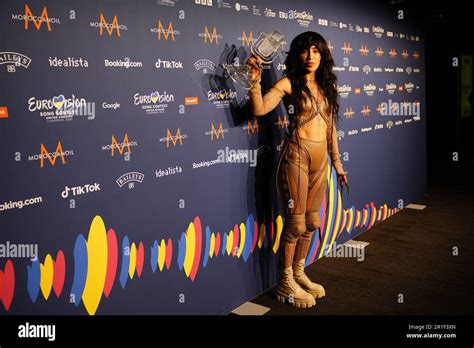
(301, 172)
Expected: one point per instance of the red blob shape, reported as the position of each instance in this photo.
(59, 273)
(197, 253)
(235, 243)
(255, 235)
(218, 244)
(140, 258)
(7, 285)
(112, 260)
(169, 253)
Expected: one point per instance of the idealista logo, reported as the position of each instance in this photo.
(109, 27)
(210, 36)
(169, 138)
(221, 99)
(130, 179)
(14, 60)
(68, 62)
(60, 108)
(37, 21)
(120, 147)
(153, 103)
(125, 63)
(51, 156)
(168, 33)
(217, 133)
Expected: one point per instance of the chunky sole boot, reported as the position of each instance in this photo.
(287, 290)
(306, 284)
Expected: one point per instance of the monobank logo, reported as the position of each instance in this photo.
(37, 21)
(110, 28)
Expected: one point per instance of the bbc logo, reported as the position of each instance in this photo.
(203, 2)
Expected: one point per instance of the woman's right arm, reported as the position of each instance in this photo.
(262, 105)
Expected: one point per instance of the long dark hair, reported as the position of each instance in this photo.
(325, 78)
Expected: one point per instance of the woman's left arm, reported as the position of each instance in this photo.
(335, 156)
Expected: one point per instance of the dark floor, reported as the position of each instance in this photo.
(410, 253)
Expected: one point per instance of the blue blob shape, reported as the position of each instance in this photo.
(80, 269)
(369, 216)
(181, 251)
(33, 280)
(208, 242)
(154, 256)
(248, 238)
(125, 262)
(224, 243)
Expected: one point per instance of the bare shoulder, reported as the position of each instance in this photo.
(284, 84)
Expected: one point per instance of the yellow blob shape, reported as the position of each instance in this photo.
(161, 254)
(279, 228)
(212, 246)
(242, 239)
(190, 249)
(133, 260)
(96, 265)
(261, 236)
(230, 242)
(46, 279)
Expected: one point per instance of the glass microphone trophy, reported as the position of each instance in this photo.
(266, 48)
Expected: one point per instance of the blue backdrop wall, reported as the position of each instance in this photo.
(120, 191)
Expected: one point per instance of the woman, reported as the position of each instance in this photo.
(309, 92)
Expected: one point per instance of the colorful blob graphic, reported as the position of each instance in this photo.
(7, 285)
(46, 276)
(96, 259)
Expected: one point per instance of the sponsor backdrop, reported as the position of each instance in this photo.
(134, 180)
